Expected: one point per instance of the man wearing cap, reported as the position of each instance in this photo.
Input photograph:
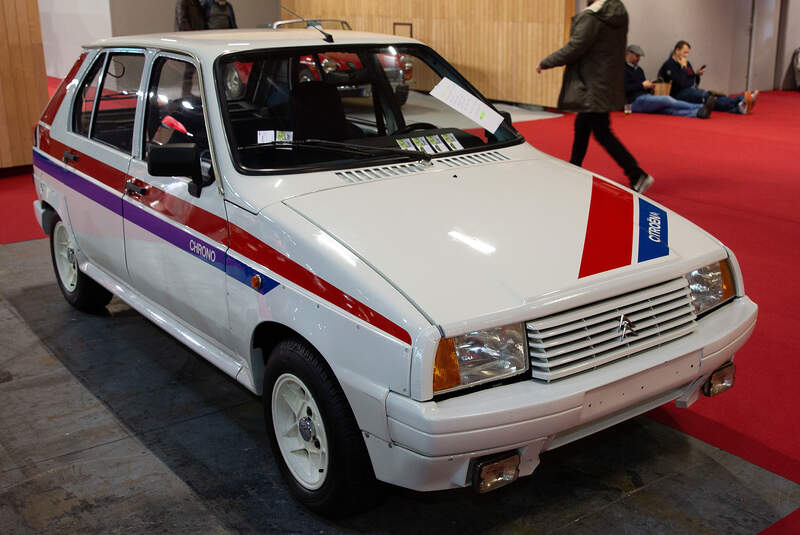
(638, 92)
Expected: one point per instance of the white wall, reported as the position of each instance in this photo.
(789, 41)
(131, 17)
(66, 26)
(719, 32)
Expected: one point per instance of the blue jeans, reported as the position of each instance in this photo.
(695, 94)
(664, 104)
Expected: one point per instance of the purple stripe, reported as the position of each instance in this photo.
(244, 274)
(180, 238)
(103, 197)
(141, 217)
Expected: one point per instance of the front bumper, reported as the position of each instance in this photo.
(433, 443)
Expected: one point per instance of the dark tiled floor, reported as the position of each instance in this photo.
(108, 424)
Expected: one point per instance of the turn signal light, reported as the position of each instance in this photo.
(445, 367)
(728, 287)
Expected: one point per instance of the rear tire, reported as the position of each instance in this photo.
(314, 435)
(78, 289)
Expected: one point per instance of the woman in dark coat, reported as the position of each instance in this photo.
(593, 83)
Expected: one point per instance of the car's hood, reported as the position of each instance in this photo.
(470, 242)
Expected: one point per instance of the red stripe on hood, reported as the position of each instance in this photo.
(609, 232)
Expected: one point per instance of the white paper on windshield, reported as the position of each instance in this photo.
(437, 144)
(422, 145)
(452, 142)
(467, 104)
(406, 144)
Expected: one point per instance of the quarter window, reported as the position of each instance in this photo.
(84, 104)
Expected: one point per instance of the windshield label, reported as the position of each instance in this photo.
(452, 142)
(406, 144)
(270, 136)
(437, 144)
(422, 145)
(467, 104)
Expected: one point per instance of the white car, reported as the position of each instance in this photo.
(421, 297)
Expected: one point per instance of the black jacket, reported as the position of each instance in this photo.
(634, 78)
(681, 77)
(595, 59)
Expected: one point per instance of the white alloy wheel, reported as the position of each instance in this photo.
(300, 431)
(64, 252)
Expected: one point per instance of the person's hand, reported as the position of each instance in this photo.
(701, 72)
(539, 68)
(683, 61)
(647, 84)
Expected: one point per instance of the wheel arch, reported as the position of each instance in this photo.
(266, 336)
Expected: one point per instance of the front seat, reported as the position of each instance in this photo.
(318, 113)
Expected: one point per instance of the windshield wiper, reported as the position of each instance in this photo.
(352, 148)
(368, 149)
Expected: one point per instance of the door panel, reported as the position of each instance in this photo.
(176, 244)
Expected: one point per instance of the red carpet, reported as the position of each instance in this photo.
(16, 205)
(739, 178)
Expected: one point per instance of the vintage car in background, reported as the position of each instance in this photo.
(420, 296)
(398, 69)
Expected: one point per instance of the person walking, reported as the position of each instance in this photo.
(593, 83)
(220, 15)
(189, 15)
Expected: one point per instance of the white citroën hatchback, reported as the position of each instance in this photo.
(420, 297)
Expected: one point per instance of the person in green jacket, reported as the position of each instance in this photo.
(593, 83)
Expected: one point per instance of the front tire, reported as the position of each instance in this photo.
(314, 435)
(78, 289)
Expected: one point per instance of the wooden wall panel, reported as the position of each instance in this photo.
(495, 44)
(23, 81)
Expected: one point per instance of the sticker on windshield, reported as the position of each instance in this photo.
(406, 144)
(270, 136)
(266, 136)
(437, 144)
(467, 104)
(422, 145)
(452, 142)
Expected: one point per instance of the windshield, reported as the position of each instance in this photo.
(283, 108)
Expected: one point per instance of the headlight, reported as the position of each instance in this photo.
(479, 357)
(710, 286)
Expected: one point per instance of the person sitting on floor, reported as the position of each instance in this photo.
(638, 92)
(686, 83)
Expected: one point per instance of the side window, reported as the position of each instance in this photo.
(174, 107)
(84, 103)
(116, 108)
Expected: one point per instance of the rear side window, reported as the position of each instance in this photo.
(105, 109)
(174, 107)
(116, 107)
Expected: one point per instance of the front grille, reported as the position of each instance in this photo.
(587, 337)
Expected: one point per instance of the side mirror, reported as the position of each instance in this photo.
(177, 159)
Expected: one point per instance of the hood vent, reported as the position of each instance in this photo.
(391, 171)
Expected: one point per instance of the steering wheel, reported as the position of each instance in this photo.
(414, 126)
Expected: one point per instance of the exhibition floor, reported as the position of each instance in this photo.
(110, 424)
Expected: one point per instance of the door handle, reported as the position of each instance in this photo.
(130, 187)
(69, 157)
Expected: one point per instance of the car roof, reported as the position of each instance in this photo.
(209, 44)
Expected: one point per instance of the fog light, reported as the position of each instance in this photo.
(494, 472)
(720, 381)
